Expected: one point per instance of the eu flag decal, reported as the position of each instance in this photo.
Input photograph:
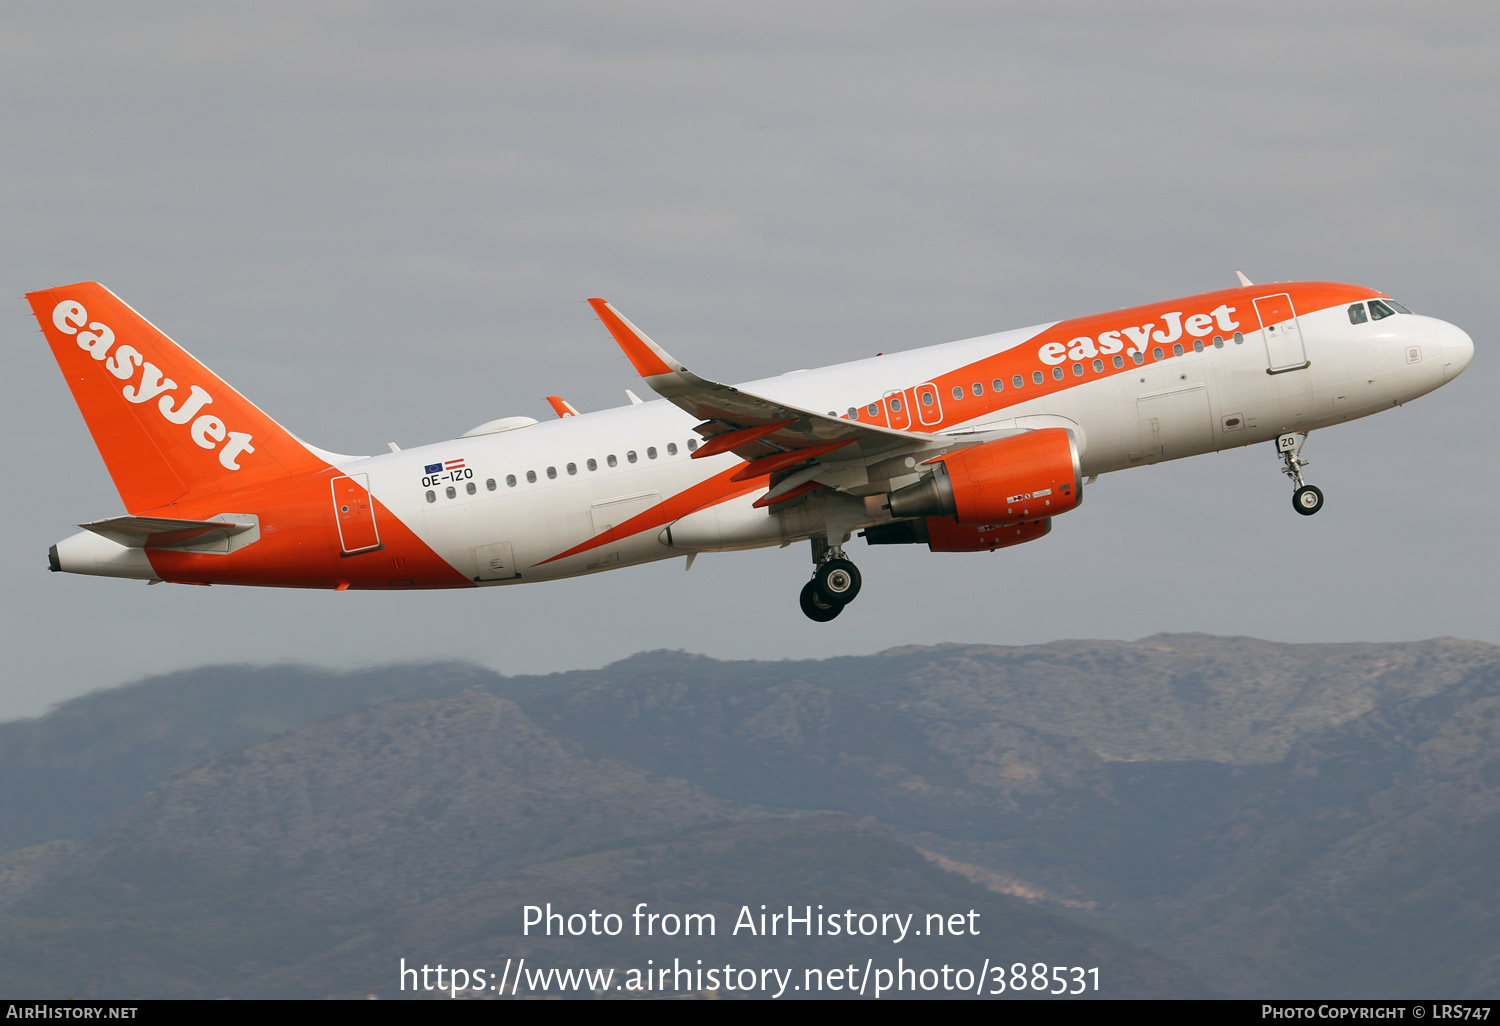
(433, 468)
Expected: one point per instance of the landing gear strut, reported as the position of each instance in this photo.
(1307, 499)
(835, 583)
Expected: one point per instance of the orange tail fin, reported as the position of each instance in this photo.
(165, 424)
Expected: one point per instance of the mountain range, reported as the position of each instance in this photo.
(1196, 815)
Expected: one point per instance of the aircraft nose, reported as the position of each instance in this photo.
(1458, 350)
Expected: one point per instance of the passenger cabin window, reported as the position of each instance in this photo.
(926, 398)
(490, 484)
(531, 477)
(1098, 366)
(551, 473)
(431, 495)
(1357, 314)
(873, 409)
(853, 413)
(572, 469)
(1057, 372)
(671, 448)
(1017, 381)
(1379, 311)
(450, 491)
(997, 385)
(510, 480)
(592, 464)
(1119, 361)
(630, 456)
(1036, 377)
(895, 404)
(958, 391)
(611, 460)
(471, 488)
(650, 452)
(977, 388)
(692, 444)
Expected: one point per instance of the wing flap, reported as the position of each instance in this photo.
(735, 438)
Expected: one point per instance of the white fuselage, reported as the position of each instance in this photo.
(1219, 398)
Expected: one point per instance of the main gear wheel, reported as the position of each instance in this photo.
(838, 581)
(816, 606)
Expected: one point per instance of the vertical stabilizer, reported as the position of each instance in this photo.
(166, 425)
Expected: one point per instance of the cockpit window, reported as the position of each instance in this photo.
(1379, 311)
(1357, 314)
(1397, 306)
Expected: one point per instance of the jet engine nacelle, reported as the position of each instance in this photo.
(1006, 482)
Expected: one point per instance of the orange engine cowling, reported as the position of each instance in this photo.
(944, 534)
(1011, 481)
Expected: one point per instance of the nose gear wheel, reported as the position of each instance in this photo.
(1307, 500)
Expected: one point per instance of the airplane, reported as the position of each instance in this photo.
(970, 446)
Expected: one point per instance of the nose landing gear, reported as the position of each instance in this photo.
(834, 585)
(1307, 499)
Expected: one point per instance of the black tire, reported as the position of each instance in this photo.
(816, 606)
(838, 580)
(1307, 500)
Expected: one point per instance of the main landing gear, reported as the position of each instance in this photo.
(835, 583)
(1307, 499)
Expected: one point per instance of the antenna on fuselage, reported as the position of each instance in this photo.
(635, 400)
(1243, 280)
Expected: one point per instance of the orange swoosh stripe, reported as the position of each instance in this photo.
(719, 488)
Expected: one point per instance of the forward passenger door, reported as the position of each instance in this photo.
(1282, 333)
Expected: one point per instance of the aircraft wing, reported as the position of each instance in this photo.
(771, 435)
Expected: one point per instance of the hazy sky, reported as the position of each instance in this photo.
(380, 222)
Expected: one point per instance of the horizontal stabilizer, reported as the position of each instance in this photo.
(163, 532)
